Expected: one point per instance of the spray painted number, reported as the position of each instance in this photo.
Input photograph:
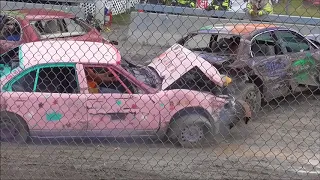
(273, 68)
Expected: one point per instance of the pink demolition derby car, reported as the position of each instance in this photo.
(47, 89)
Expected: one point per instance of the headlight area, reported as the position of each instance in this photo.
(227, 81)
(232, 113)
(242, 109)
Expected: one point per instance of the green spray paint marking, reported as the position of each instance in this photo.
(54, 116)
(118, 102)
(162, 105)
(207, 27)
(302, 66)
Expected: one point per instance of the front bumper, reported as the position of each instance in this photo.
(232, 112)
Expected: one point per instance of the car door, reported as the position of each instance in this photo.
(270, 63)
(47, 97)
(122, 110)
(305, 67)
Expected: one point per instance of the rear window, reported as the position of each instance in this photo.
(59, 28)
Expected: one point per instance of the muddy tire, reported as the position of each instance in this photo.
(191, 131)
(251, 94)
(13, 128)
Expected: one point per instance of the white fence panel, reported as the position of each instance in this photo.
(116, 6)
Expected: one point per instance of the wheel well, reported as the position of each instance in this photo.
(17, 115)
(190, 110)
(257, 81)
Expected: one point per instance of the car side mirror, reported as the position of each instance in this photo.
(114, 42)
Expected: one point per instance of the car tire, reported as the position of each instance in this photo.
(13, 128)
(251, 94)
(191, 131)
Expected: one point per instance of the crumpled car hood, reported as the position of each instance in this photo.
(177, 60)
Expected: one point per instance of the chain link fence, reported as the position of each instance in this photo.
(158, 90)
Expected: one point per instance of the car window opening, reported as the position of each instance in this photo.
(145, 74)
(50, 80)
(220, 44)
(57, 80)
(293, 42)
(265, 45)
(107, 80)
(59, 28)
(9, 29)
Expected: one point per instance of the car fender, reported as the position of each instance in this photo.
(164, 128)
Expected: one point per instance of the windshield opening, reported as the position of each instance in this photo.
(145, 74)
(221, 44)
(60, 28)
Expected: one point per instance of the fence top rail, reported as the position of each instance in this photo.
(228, 14)
(58, 1)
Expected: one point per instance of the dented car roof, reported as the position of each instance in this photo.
(68, 51)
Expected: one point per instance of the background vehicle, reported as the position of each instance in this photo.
(45, 93)
(30, 25)
(264, 60)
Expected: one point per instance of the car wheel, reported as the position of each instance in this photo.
(251, 95)
(13, 129)
(191, 131)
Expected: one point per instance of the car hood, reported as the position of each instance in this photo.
(177, 60)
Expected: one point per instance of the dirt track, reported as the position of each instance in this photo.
(283, 144)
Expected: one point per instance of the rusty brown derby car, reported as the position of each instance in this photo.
(266, 61)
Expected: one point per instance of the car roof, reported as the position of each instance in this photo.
(38, 14)
(62, 51)
(237, 29)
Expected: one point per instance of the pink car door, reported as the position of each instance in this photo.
(119, 110)
(48, 98)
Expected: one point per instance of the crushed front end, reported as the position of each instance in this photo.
(232, 112)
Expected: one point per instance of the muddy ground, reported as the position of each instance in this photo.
(283, 143)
